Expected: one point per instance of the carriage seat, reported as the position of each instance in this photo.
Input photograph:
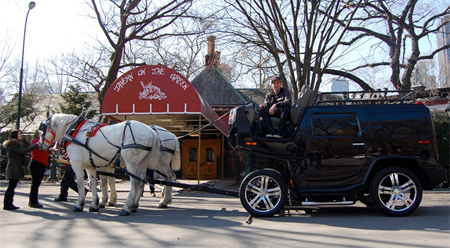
(305, 98)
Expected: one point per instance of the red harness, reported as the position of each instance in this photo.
(50, 142)
(75, 132)
(97, 128)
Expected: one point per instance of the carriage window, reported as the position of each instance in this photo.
(210, 154)
(399, 123)
(341, 124)
(192, 154)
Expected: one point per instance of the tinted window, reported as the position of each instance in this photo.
(335, 125)
(399, 123)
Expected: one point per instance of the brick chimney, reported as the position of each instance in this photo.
(213, 57)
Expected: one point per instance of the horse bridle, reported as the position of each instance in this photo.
(46, 127)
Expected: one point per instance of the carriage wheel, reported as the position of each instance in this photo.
(263, 192)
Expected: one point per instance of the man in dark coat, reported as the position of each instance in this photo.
(276, 104)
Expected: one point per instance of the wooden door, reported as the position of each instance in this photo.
(209, 153)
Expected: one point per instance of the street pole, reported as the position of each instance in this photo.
(31, 5)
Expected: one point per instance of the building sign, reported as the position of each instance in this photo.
(151, 89)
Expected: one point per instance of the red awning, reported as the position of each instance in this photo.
(148, 91)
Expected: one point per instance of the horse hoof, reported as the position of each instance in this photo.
(77, 209)
(162, 205)
(124, 213)
(92, 209)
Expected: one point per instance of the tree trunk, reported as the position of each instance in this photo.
(395, 65)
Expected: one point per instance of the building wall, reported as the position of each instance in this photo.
(339, 85)
(444, 56)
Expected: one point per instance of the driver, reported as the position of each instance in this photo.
(276, 104)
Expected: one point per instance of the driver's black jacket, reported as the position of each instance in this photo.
(283, 98)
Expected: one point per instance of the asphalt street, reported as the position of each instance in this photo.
(209, 220)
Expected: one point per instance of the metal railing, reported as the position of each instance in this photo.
(365, 97)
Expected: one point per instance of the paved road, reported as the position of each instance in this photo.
(208, 220)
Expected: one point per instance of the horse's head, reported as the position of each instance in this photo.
(48, 135)
(54, 129)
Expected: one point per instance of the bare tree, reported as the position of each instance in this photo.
(88, 68)
(5, 57)
(406, 24)
(60, 71)
(127, 21)
(32, 82)
(180, 53)
(300, 36)
(92, 67)
(7, 67)
(255, 63)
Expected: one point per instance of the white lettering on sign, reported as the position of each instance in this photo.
(158, 71)
(122, 82)
(141, 72)
(178, 80)
(151, 92)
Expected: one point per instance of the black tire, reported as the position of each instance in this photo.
(396, 191)
(263, 193)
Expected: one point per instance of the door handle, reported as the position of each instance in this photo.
(359, 144)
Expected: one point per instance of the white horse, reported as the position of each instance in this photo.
(133, 141)
(169, 148)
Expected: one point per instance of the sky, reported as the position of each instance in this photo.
(58, 26)
(53, 26)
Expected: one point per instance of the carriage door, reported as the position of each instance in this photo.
(209, 153)
(337, 148)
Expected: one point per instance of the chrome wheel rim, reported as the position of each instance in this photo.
(397, 192)
(263, 193)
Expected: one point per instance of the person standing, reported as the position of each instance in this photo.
(14, 168)
(151, 185)
(276, 104)
(38, 165)
(68, 181)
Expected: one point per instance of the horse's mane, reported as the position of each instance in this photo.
(62, 120)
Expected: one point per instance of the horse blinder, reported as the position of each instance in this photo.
(45, 128)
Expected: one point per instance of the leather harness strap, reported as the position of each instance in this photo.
(79, 122)
(73, 131)
(162, 147)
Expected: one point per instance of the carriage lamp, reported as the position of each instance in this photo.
(31, 6)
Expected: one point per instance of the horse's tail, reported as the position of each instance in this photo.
(175, 163)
